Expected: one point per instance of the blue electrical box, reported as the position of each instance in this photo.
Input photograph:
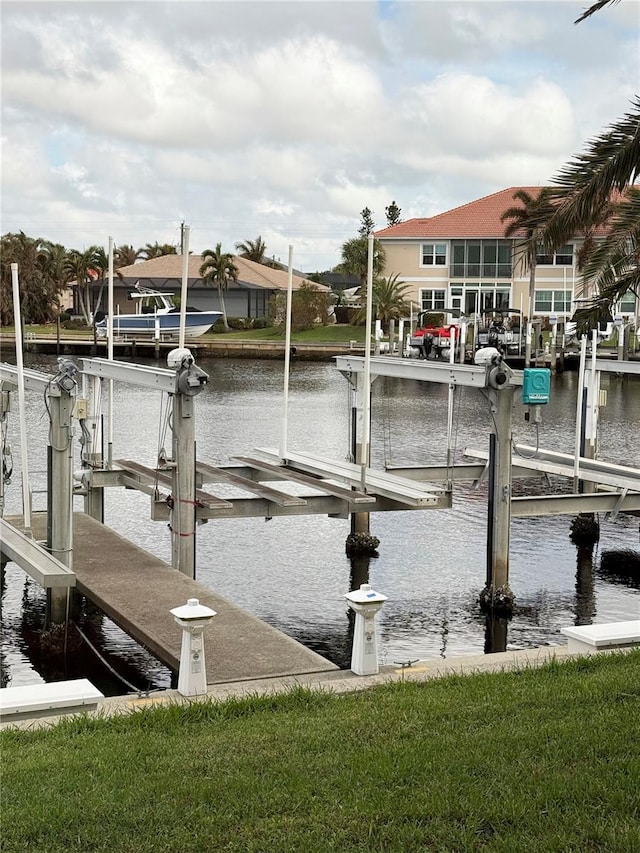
(536, 385)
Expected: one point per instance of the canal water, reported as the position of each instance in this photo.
(293, 572)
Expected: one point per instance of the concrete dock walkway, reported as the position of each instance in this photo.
(137, 590)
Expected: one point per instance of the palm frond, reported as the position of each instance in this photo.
(595, 7)
(583, 188)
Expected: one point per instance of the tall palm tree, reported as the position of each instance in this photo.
(218, 269)
(525, 221)
(253, 250)
(82, 268)
(389, 298)
(125, 256)
(355, 254)
(157, 250)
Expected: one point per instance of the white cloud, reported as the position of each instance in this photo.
(286, 119)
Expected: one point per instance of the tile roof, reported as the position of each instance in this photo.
(479, 218)
(249, 272)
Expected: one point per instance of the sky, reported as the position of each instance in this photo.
(286, 119)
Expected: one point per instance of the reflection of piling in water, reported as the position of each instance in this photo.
(495, 634)
(585, 598)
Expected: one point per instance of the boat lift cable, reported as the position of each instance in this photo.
(106, 663)
(163, 427)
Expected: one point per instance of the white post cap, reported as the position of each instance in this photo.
(192, 610)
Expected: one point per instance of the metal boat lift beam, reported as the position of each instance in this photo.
(562, 464)
(474, 376)
(377, 482)
(33, 379)
(33, 559)
(159, 378)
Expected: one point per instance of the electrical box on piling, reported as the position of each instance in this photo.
(536, 385)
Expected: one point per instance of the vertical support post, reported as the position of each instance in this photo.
(60, 510)
(94, 498)
(359, 411)
(497, 595)
(183, 512)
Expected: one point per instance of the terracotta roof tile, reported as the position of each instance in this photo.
(479, 218)
(476, 219)
(249, 272)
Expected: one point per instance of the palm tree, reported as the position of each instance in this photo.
(157, 250)
(526, 221)
(389, 302)
(590, 191)
(218, 269)
(612, 266)
(355, 255)
(125, 256)
(253, 250)
(82, 268)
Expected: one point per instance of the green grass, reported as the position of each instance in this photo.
(538, 760)
(320, 334)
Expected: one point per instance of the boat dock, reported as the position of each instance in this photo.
(137, 590)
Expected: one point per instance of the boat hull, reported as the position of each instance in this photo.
(159, 325)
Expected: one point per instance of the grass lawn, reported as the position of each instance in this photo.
(539, 760)
(319, 334)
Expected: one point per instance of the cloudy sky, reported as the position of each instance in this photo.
(286, 119)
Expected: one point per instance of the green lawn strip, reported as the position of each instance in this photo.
(319, 334)
(536, 760)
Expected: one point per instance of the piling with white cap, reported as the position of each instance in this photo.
(192, 618)
(366, 603)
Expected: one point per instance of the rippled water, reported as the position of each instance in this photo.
(293, 572)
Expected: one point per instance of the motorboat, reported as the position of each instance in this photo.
(157, 317)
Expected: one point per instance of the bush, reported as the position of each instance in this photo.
(74, 324)
(260, 323)
(64, 317)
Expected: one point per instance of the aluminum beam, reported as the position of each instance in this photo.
(561, 464)
(541, 505)
(152, 476)
(33, 379)
(474, 376)
(378, 482)
(256, 488)
(610, 366)
(315, 505)
(440, 473)
(136, 374)
(33, 559)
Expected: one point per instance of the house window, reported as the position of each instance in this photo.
(432, 300)
(628, 303)
(434, 254)
(562, 257)
(553, 301)
(481, 258)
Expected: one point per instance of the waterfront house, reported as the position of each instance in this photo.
(461, 259)
(248, 297)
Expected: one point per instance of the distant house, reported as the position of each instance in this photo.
(461, 259)
(247, 297)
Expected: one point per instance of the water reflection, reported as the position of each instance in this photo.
(294, 573)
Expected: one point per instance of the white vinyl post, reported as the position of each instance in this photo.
(185, 281)
(110, 353)
(581, 370)
(366, 403)
(17, 320)
(287, 358)
(452, 358)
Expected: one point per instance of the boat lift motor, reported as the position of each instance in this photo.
(190, 379)
(498, 373)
